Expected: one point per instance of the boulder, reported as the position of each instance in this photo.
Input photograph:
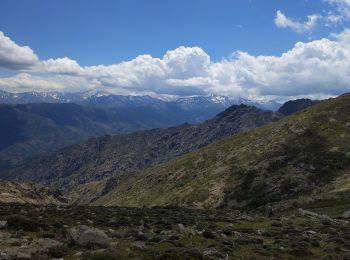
(84, 236)
(182, 228)
(346, 214)
(306, 213)
(208, 234)
(3, 223)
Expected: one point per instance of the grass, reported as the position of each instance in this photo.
(286, 160)
(235, 236)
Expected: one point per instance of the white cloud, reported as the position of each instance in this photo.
(186, 62)
(59, 66)
(27, 82)
(13, 56)
(282, 21)
(317, 68)
(341, 13)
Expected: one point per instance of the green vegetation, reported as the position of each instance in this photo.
(172, 233)
(300, 159)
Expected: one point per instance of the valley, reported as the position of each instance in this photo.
(97, 164)
(35, 123)
(175, 130)
(190, 192)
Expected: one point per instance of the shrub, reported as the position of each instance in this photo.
(58, 251)
(21, 222)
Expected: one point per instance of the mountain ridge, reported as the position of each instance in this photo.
(301, 159)
(105, 99)
(103, 158)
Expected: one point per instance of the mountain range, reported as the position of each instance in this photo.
(105, 99)
(100, 160)
(37, 123)
(300, 160)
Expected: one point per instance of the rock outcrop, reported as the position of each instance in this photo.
(23, 193)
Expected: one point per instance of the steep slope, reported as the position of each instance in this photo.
(293, 106)
(40, 128)
(111, 156)
(29, 193)
(301, 159)
(34, 129)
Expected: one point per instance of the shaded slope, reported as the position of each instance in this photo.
(41, 128)
(293, 106)
(35, 129)
(111, 156)
(304, 158)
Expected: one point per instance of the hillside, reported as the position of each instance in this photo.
(29, 193)
(112, 156)
(301, 159)
(35, 129)
(293, 106)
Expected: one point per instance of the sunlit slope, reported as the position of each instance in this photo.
(301, 159)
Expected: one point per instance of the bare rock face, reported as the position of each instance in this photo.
(294, 106)
(23, 248)
(83, 235)
(84, 169)
(29, 193)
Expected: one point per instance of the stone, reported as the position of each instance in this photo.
(139, 244)
(208, 234)
(347, 125)
(306, 213)
(346, 214)
(3, 223)
(310, 232)
(84, 236)
(276, 224)
(181, 228)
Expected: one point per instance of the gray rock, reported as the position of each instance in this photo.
(346, 214)
(84, 235)
(181, 228)
(3, 223)
(306, 213)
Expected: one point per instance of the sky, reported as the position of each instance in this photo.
(271, 49)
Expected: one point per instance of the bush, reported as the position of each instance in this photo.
(58, 251)
(21, 222)
(108, 255)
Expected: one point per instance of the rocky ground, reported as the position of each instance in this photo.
(57, 232)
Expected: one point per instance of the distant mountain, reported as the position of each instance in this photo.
(105, 99)
(300, 161)
(39, 128)
(34, 129)
(113, 156)
(293, 106)
(34, 123)
(39, 97)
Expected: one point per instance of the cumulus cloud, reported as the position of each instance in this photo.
(314, 69)
(13, 56)
(59, 66)
(28, 82)
(282, 21)
(186, 62)
(341, 12)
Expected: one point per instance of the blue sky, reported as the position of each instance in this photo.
(91, 33)
(105, 32)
